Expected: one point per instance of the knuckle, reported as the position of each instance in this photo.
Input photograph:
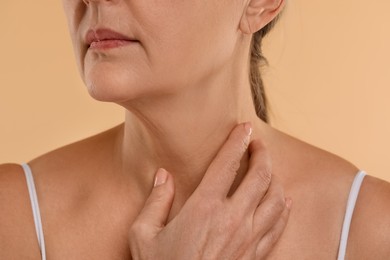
(273, 209)
(155, 200)
(277, 206)
(138, 229)
(233, 165)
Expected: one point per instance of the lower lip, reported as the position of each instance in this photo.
(109, 44)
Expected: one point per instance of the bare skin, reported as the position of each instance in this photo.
(87, 212)
(182, 97)
(217, 221)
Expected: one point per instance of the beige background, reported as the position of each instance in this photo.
(328, 80)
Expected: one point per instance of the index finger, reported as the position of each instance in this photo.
(223, 169)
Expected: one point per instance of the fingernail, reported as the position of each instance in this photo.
(288, 202)
(248, 128)
(161, 177)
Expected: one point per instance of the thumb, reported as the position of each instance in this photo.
(158, 205)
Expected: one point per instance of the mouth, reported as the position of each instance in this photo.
(102, 38)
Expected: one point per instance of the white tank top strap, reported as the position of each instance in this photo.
(353, 195)
(35, 208)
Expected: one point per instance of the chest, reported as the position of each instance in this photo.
(94, 227)
(87, 238)
(310, 234)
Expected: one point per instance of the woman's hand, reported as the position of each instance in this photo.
(212, 225)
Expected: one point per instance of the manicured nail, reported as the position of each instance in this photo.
(288, 202)
(248, 128)
(161, 177)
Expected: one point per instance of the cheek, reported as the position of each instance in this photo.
(192, 41)
(75, 10)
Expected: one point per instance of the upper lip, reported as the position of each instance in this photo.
(102, 34)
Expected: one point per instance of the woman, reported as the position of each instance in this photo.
(180, 69)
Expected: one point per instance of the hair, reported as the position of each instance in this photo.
(257, 60)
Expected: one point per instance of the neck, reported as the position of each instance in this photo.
(183, 132)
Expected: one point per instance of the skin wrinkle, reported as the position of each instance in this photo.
(184, 86)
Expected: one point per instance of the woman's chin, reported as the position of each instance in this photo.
(120, 92)
(106, 84)
(108, 93)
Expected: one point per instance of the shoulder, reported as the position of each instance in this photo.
(312, 165)
(9, 172)
(319, 183)
(72, 169)
(17, 234)
(92, 147)
(12, 183)
(370, 227)
(331, 176)
(82, 156)
(59, 178)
